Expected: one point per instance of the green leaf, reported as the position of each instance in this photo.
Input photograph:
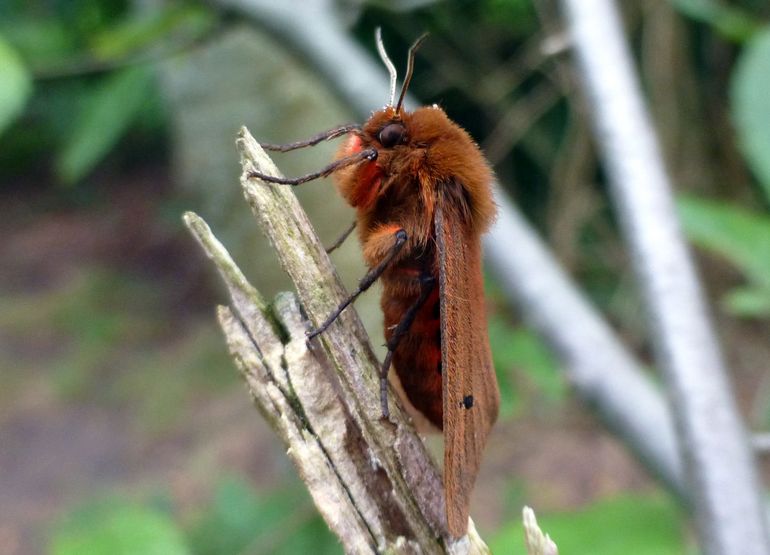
(119, 530)
(520, 14)
(520, 349)
(748, 302)
(147, 28)
(241, 520)
(729, 21)
(109, 110)
(504, 361)
(641, 525)
(749, 105)
(535, 358)
(741, 236)
(42, 41)
(15, 85)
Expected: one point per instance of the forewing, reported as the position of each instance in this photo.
(471, 396)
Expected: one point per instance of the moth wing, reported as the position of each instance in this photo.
(470, 394)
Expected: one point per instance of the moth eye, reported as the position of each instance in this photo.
(392, 134)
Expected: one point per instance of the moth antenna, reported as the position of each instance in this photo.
(388, 64)
(409, 69)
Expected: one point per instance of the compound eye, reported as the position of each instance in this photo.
(392, 134)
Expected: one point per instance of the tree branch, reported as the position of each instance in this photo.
(719, 468)
(538, 543)
(597, 365)
(372, 479)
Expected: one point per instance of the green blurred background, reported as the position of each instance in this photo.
(123, 425)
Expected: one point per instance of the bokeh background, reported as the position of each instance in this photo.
(123, 423)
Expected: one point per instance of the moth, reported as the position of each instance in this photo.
(422, 193)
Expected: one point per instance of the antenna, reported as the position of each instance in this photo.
(409, 69)
(388, 64)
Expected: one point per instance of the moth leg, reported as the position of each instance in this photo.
(368, 154)
(341, 238)
(366, 282)
(428, 283)
(314, 140)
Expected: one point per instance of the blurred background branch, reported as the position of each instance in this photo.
(719, 467)
(601, 370)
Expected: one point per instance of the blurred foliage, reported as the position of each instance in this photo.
(750, 83)
(92, 64)
(109, 111)
(638, 524)
(740, 236)
(15, 85)
(80, 92)
(732, 22)
(111, 334)
(239, 520)
(243, 521)
(118, 528)
(236, 520)
(526, 371)
(82, 319)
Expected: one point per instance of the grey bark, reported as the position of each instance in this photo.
(719, 468)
